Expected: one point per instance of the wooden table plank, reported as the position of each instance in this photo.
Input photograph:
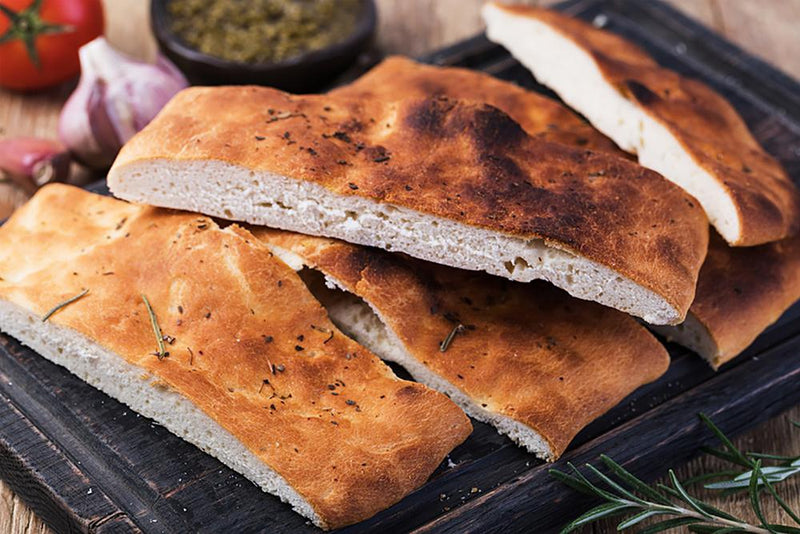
(767, 28)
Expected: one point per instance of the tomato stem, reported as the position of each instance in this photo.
(26, 25)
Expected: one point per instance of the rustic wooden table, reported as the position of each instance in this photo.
(767, 28)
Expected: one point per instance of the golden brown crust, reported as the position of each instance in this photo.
(398, 78)
(704, 122)
(742, 291)
(221, 294)
(530, 352)
(465, 162)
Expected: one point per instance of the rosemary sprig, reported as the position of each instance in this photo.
(67, 302)
(162, 351)
(625, 494)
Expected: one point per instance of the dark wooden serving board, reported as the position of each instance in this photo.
(85, 462)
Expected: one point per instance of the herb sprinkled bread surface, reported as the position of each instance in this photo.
(529, 359)
(449, 181)
(256, 374)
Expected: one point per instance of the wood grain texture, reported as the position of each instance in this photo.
(767, 28)
(15, 516)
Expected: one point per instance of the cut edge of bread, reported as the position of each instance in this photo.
(233, 192)
(143, 393)
(357, 318)
(695, 336)
(562, 65)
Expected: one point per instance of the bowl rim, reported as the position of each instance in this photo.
(365, 27)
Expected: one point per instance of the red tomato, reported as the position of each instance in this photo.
(40, 48)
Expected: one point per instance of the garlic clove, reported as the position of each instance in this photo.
(102, 125)
(84, 127)
(31, 162)
(116, 97)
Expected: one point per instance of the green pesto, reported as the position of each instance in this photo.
(262, 31)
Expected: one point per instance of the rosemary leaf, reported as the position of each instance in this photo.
(709, 476)
(571, 481)
(606, 495)
(744, 460)
(61, 305)
(443, 346)
(685, 496)
(638, 518)
(634, 482)
(622, 491)
(730, 484)
(598, 512)
(755, 500)
(725, 455)
(162, 351)
(778, 473)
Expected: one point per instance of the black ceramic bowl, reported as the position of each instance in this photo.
(304, 73)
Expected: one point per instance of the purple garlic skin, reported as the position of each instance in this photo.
(116, 97)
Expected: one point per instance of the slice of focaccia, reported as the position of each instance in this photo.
(251, 370)
(677, 126)
(455, 183)
(740, 293)
(526, 358)
(740, 290)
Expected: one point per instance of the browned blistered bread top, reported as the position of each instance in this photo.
(741, 291)
(703, 121)
(334, 421)
(398, 78)
(530, 352)
(466, 162)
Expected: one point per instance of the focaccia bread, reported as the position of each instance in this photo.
(740, 293)
(256, 374)
(398, 77)
(455, 183)
(526, 358)
(677, 126)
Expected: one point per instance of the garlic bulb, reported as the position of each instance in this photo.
(116, 97)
